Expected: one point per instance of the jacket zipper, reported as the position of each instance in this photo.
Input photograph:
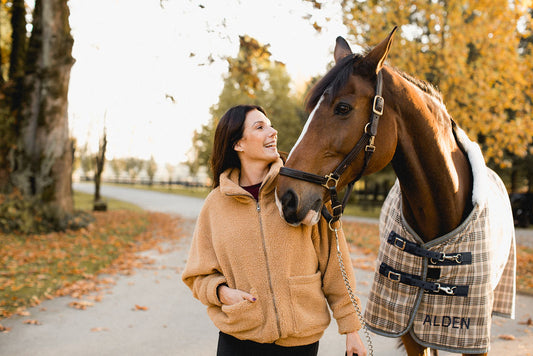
(268, 270)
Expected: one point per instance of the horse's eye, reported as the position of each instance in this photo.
(342, 109)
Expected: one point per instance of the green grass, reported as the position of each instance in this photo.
(358, 210)
(84, 201)
(190, 192)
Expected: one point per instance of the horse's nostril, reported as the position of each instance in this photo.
(289, 199)
(289, 203)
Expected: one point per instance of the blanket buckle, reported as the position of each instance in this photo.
(402, 243)
(393, 276)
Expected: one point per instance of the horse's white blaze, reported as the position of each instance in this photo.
(306, 126)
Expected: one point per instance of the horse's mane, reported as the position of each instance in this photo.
(426, 87)
(338, 77)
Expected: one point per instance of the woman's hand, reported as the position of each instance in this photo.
(230, 296)
(354, 345)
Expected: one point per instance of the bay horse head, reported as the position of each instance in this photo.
(345, 106)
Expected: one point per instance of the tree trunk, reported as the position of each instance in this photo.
(42, 164)
(18, 39)
(99, 205)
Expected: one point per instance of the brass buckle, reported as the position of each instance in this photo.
(403, 243)
(330, 178)
(378, 99)
(394, 274)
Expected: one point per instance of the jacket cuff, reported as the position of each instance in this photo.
(212, 296)
(349, 323)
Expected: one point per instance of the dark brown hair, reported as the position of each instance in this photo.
(229, 131)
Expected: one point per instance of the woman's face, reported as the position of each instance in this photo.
(259, 139)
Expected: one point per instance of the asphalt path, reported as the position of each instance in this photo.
(174, 323)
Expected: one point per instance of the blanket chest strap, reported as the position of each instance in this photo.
(435, 258)
(415, 281)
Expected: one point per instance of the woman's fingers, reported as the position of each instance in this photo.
(230, 296)
(248, 297)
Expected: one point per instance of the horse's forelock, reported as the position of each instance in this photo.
(333, 81)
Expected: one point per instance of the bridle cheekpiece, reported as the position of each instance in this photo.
(331, 180)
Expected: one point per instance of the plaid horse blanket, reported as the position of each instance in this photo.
(444, 292)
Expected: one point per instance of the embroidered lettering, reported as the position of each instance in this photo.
(446, 321)
(455, 322)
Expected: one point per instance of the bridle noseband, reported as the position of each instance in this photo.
(331, 180)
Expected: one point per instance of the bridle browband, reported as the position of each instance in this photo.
(330, 181)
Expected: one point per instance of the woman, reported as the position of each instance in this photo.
(266, 284)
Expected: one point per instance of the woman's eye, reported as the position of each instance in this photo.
(342, 109)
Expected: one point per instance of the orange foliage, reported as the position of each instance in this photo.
(472, 52)
(68, 263)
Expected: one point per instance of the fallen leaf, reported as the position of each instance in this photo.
(138, 307)
(507, 337)
(81, 305)
(529, 322)
(4, 329)
(32, 322)
(95, 330)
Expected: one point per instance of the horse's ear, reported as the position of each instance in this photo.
(342, 49)
(377, 56)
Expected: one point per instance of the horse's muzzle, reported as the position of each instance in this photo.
(295, 214)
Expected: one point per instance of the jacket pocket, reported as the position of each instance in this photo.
(242, 320)
(309, 307)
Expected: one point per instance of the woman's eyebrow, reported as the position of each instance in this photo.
(260, 122)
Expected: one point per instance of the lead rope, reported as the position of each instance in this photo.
(351, 294)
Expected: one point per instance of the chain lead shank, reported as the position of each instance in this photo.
(352, 296)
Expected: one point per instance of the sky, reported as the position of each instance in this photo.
(135, 75)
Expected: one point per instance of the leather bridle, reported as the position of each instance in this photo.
(330, 181)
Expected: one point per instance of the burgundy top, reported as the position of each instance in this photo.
(254, 190)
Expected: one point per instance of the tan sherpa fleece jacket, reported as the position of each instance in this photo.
(292, 271)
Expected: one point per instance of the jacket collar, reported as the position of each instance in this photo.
(229, 181)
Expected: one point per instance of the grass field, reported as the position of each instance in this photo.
(42, 266)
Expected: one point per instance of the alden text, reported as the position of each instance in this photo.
(445, 321)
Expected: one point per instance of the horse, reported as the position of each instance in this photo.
(442, 187)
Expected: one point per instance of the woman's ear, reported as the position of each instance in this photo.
(238, 146)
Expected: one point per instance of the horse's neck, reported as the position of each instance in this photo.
(434, 173)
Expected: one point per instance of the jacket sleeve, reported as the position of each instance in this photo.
(202, 273)
(332, 280)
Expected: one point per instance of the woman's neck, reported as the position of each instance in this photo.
(252, 173)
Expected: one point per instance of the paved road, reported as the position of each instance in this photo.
(175, 323)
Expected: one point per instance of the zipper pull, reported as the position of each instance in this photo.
(258, 207)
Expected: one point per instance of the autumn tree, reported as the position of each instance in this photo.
(35, 151)
(252, 78)
(86, 159)
(117, 166)
(133, 167)
(151, 169)
(471, 52)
